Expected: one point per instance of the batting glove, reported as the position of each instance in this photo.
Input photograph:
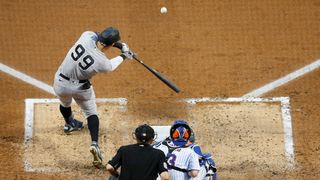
(128, 55)
(124, 47)
(126, 51)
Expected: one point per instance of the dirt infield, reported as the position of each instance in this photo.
(261, 143)
(209, 48)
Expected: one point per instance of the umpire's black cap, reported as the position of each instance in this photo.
(144, 133)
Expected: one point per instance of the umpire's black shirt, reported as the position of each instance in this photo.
(139, 162)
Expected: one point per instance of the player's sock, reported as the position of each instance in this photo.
(93, 125)
(66, 113)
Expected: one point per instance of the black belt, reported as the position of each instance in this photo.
(67, 78)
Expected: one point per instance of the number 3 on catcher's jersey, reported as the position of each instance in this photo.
(171, 159)
(87, 61)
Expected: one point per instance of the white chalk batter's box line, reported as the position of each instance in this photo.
(285, 112)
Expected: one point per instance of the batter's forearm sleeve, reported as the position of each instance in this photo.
(115, 62)
(109, 65)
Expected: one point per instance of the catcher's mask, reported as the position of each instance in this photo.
(144, 133)
(180, 132)
(109, 36)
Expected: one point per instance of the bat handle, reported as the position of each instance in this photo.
(136, 58)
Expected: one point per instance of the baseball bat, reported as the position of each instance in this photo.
(153, 71)
(159, 75)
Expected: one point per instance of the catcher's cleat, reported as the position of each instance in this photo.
(97, 158)
(75, 125)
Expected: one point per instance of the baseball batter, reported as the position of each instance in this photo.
(72, 80)
(182, 162)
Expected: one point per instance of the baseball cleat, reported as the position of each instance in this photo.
(74, 126)
(97, 158)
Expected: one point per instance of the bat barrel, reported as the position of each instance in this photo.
(160, 76)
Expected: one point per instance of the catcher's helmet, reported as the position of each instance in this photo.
(192, 138)
(109, 36)
(144, 133)
(180, 132)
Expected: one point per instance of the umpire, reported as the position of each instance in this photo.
(139, 161)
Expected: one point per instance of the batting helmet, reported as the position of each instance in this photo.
(109, 36)
(180, 132)
(144, 133)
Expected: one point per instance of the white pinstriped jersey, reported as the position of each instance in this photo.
(82, 62)
(84, 59)
(183, 158)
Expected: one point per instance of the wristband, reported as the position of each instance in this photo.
(123, 56)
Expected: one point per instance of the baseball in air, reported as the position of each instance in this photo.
(163, 10)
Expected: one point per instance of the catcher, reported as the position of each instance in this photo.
(181, 138)
(207, 165)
